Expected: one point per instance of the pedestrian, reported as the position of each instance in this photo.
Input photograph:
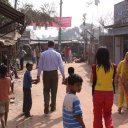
(27, 84)
(4, 95)
(72, 113)
(21, 56)
(5, 59)
(65, 82)
(66, 54)
(49, 62)
(122, 81)
(70, 55)
(37, 56)
(34, 56)
(103, 91)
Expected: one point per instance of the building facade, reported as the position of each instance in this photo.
(118, 32)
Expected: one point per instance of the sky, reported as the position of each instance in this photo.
(76, 9)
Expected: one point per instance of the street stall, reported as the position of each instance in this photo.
(10, 31)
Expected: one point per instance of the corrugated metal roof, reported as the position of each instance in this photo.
(12, 13)
(116, 25)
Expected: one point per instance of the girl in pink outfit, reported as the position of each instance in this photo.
(4, 95)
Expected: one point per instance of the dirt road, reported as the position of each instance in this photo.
(54, 120)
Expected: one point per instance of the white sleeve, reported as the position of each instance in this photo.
(40, 65)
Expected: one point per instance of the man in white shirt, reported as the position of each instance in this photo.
(49, 62)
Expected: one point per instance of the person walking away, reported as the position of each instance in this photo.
(4, 95)
(37, 56)
(72, 112)
(122, 81)
(34, 56)
(5, 59)
(66, 54)
(21, 55)
(49, 62)
(70, 55)
(103, 91)
(65, 82)
(27, 84)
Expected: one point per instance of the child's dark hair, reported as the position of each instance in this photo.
(102, 58)
(29, 64)
(70, 70)
(3, 70)
(74, 78)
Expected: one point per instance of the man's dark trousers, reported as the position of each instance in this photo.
(50, 82)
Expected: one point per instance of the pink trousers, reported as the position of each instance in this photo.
(102, 108)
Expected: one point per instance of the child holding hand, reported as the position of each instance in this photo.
(27, 84)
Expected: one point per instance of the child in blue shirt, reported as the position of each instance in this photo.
(27, 84)
(72, 113)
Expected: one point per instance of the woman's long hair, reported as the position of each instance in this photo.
(102, 58)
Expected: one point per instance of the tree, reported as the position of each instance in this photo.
(5, 1)
(105, 20)
(44, 15)
(70, 34)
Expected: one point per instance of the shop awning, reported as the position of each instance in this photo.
(12, 13)
(116, 25)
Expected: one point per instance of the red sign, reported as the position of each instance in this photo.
(59, 22)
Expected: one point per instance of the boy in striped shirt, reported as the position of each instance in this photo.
(72, 113)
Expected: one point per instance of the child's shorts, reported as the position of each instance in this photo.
(4, 106)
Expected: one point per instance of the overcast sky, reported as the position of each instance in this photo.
(76, 9)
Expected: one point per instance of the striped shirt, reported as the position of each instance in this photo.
(71, 108)
(50, 60)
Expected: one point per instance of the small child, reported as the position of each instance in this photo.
(27, 84)
(72, 113)
(65, 82)
(4, 95)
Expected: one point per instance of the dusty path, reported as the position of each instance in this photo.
(54, 120)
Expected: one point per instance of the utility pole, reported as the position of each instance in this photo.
(15, 5)
(59, 33)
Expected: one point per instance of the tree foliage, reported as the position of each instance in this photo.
(44, 15)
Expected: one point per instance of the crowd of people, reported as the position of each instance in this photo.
(104, 78)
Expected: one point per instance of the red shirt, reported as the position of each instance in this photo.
(4, 88)
(66, 51)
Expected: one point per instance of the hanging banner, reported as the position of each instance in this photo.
(59, 22)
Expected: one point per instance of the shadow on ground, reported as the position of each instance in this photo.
(37, 121)
(120, 119)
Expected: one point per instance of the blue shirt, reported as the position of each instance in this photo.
(71, 108)
(50, 60)
(27, 80)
